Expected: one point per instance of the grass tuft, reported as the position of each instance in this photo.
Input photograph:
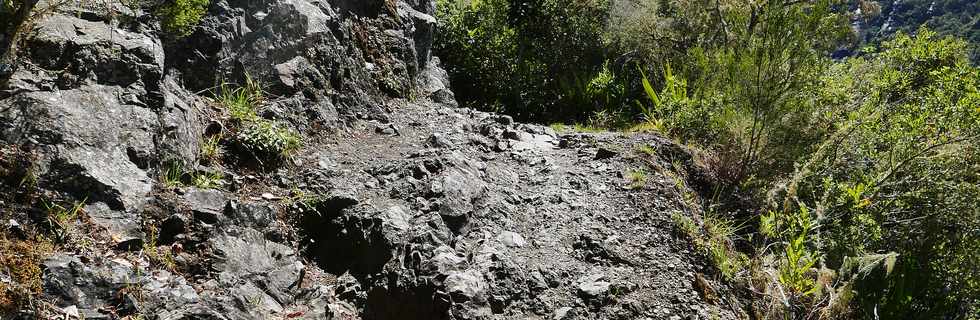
(211, 149)
(173, 175)
(647, 150)
(157, 256)
(637, 178)
(242, 102)
(63, 215)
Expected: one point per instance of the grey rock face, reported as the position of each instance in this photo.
(334, 53)
(89, 135)
(511, 239)
(206, 205)
(434, 82)
(593, 286)
(125, 230)
(70, 52)
(97, 287)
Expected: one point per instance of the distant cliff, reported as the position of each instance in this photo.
(880, 19)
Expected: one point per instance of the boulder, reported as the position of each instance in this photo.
(91, 140)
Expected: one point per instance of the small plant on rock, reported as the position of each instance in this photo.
(637, 178)
(159, 257)
(173, 175)
(208, 180)
(179, 17)
(242, 102)
(62, 215)
(21, 260)
(268, 139)
(211, 148)
(263, 138)
(647, 150)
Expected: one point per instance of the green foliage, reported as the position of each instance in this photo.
(898, 174)
(715, 237)
(721, 234)
(179, 17)
(263, 138)
(686, 225)
(575, 127)
(798, 260)
(207, 180)
(647, 150)
(672, 111)
(530, 59)
(864, 164)
(173, 174)
(159, 257)
(63, 215)
(243, 101)
(211, 149)
(637, 178)
(741, 93)
(268, 139)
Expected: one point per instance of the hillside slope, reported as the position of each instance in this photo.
(957, 18)
(397, 204)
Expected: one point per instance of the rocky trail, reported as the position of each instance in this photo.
(398, 205)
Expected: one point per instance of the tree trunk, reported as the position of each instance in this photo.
(12, 31)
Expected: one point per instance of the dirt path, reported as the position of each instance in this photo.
(540, 225)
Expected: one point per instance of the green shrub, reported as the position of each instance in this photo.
(179, 17)
(268, 140)
(899, 175)
(865, 164)
(522, 57)
(744, 98)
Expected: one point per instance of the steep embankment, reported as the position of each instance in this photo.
(398, 205)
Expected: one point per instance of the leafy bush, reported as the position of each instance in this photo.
(746, 96)
(179, 17)
(269, 140)
(521, 57)
(884, 150)
(899, 175)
